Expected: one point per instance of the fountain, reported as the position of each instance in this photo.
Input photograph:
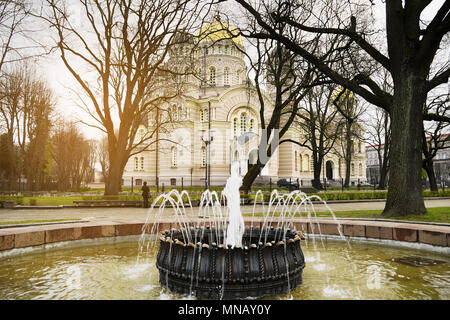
(219, 258)
(210, 253)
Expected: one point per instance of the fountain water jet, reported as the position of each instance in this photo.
(213, 255)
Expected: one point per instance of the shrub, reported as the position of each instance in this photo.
(18, 200)
(32, 201)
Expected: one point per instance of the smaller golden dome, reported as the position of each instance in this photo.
(219, 30)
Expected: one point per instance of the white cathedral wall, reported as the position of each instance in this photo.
(225, 100)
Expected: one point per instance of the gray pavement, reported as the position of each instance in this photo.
(140, 214)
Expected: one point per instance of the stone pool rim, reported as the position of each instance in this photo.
(407, 232)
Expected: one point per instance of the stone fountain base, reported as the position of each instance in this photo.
(266, 265)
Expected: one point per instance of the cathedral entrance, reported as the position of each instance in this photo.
(329, 169)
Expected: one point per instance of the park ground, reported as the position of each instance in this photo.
(438, 212)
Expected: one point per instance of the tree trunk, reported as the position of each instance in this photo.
(429, 168)
(114, 181)
(348, 159)
(317, 170)
(383, 175)
(404, 195)
(251, 175)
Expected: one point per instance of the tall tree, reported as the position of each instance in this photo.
(412, 45)
(281, 81)
(124, 45)
(25, 109)
(351, 137)
(379, 137)
(12, 16)
(319, 121)
(73, 155)
(435, 136)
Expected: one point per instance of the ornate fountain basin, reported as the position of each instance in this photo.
(210, 271)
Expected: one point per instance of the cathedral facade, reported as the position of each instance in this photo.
(216, 121)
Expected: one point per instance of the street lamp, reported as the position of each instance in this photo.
(207, 139)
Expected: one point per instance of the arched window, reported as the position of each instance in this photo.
(204, 115)
(352, 169)
(232, 51)
(226, 76)
(203, 157)
(252, 125)
(142, 163)
(295, 161)
(136, 163)
(236, 156)
(180, 113)
(235, 127)
(306, 166)
(360, 169)
(300, 161)
(173, 151)
(243, 122)
(212, 75)
(238, 76)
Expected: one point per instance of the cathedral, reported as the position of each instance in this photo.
(216, 121)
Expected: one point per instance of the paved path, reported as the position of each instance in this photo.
(140, 214)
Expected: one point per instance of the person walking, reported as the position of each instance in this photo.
(145, 194)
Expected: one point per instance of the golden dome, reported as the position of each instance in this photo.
(347, 94)
(219, 30)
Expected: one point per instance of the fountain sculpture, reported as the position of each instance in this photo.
(212, 255)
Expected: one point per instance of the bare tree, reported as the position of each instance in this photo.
(103, 155)
(281, 81)
(379, 137)
(26, 106)
(38, 108)
(319, 121)
(73, 156)
(412, 45)
(12, 16)
(10, 108)
(351, 132)
(435, 137)
(125, 45)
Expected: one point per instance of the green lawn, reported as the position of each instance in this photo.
(2, 223)
(438, 214)
(49, 201)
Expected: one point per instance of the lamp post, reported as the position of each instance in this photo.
(207, 140)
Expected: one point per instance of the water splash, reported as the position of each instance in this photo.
(222, 217)
(236, 226)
